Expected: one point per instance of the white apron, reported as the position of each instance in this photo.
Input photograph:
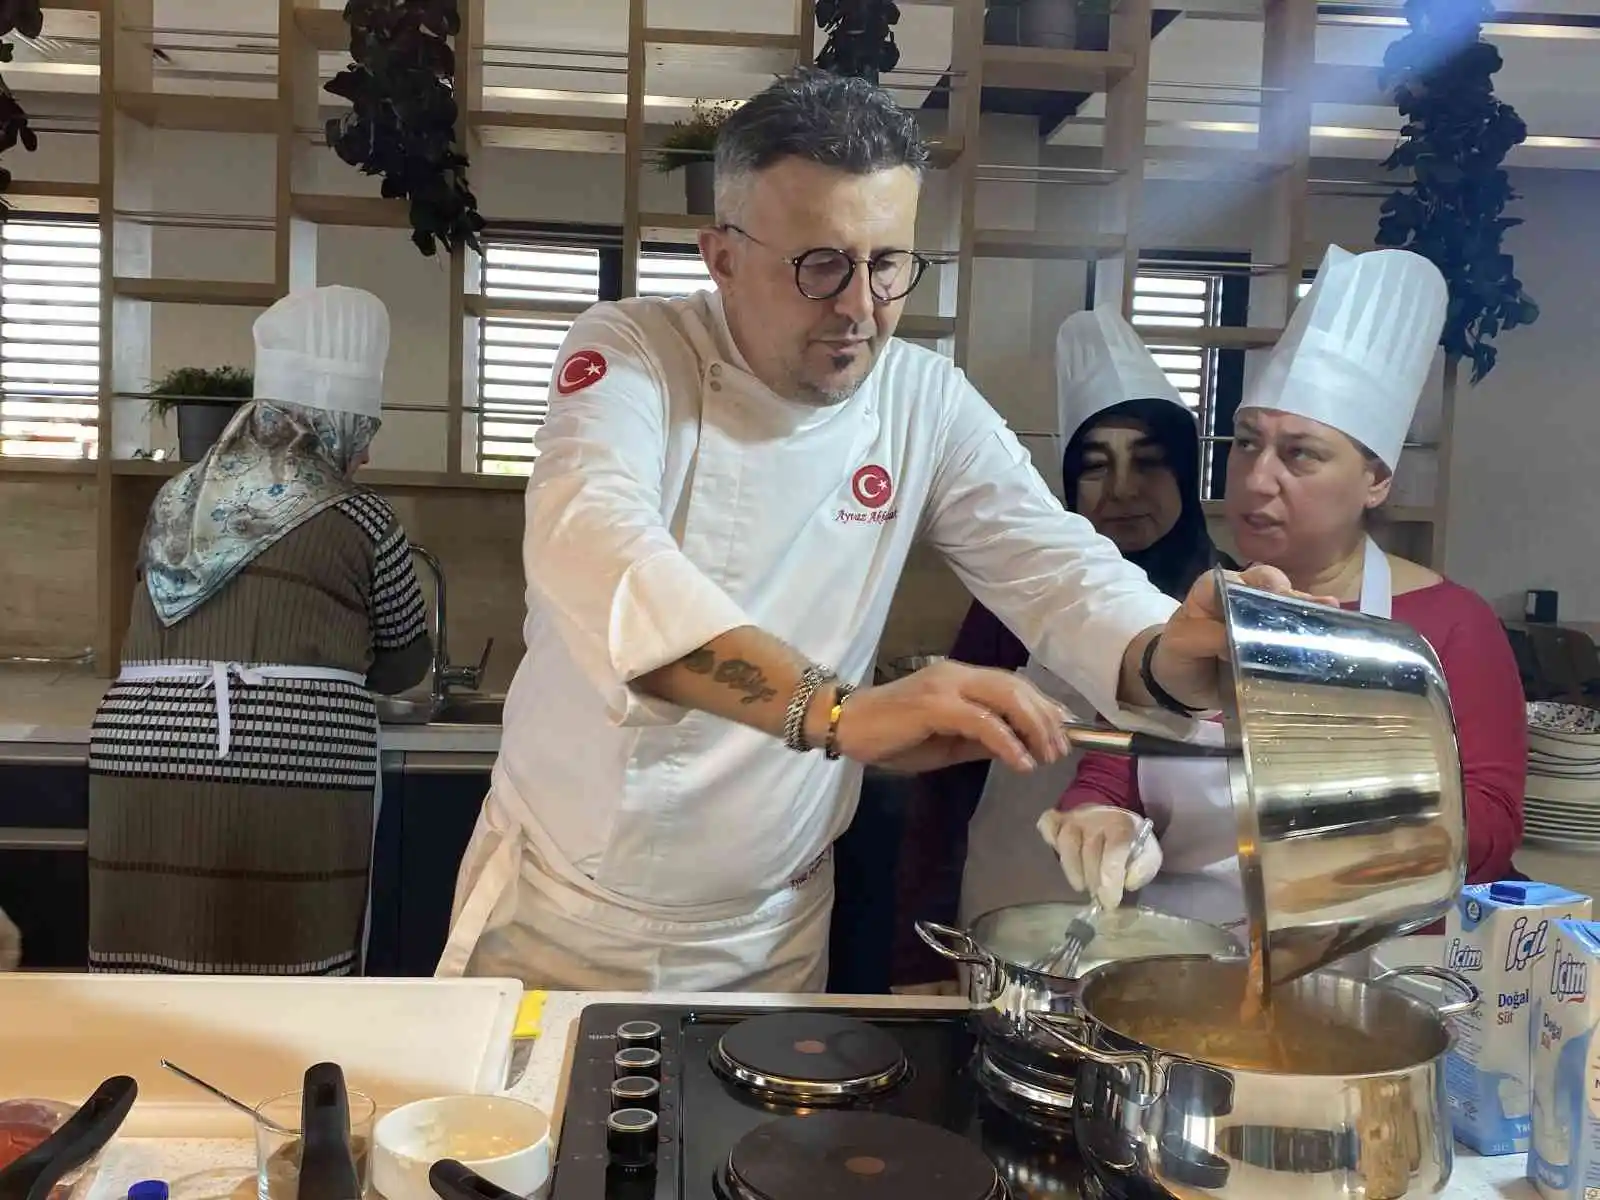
(1007, 861)
(1191, 804)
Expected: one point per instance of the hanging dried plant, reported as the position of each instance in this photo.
(860, 37)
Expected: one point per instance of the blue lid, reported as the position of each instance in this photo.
(149, 1189)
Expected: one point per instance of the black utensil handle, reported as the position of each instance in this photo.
(327, 1160)
(80, 1138)
(1145, 745)
(452, 1181)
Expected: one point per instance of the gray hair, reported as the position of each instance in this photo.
(837, 121)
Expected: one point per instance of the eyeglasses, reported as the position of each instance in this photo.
(823, 273)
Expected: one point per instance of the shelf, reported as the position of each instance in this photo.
(154, 468)
(208, 114)
(549, 131)
(41, 196)
(505, 307)
(1199, 163)
(324, 28)
(1219, 337)
(917, 328)
(672, 227)
(242, 293)
(943, 152)
(1025, 243)
(722, 50)
(20, 466)
(88, 6)
(365, 212)
(1035, 69)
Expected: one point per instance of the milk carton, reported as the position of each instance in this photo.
(1498, 936)
(1564, 1161)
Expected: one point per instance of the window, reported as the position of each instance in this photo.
(49, 338)
(516, 355)
(1187, 300)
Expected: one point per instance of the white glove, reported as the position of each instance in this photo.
(1093, 842)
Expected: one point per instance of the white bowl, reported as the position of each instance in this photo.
(504, 1140)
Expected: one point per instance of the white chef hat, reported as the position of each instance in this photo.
(1357, 350)
(1100, 363)
(324, 348)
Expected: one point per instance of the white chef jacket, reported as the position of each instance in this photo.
(676, 498)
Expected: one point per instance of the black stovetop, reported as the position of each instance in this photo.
(703, 1115)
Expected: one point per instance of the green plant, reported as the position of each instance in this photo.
(1455, 136)
(402, 119)
(693, 140)
(27, 18)
(199, 383)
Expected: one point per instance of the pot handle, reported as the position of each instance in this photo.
(954, 944)
(1067, 1028)
(1468, 990)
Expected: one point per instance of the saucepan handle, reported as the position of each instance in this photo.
(1469, 991)
(453, 1181)
(954, 944)
(1070, 1030)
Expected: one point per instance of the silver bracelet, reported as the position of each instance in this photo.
(794, 719)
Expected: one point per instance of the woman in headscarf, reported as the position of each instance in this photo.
(1316, 442)
(233, 764)
(1131, 465)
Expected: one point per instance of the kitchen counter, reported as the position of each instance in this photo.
(225, 1170)
(44, 705)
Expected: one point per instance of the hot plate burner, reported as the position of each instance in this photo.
(1041, 1101)
(857, 1156)
(809, 1058)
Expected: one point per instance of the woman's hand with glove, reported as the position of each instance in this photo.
(1093, 843)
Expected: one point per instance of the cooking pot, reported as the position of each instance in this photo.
(1347, 788)
(1343, 1095)
(1004, 990)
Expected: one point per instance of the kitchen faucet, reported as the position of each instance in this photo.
(445, 675)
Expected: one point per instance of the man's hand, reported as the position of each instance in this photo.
(1194, 642)
(948, 713)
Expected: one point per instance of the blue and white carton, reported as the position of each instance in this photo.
(1498, 936)
(1564, 1161)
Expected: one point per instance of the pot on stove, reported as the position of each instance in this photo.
(1339, 1094)
(1005, 991)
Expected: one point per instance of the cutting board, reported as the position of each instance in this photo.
(398, 1040)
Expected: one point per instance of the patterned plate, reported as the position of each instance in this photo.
(1550, 716)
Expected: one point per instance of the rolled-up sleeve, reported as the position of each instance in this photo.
(600, 561)
(1064, 590)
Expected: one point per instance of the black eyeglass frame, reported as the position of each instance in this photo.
(920, 262)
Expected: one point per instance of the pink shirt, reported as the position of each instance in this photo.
(1486, 693)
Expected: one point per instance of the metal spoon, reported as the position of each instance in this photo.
(1081, 929)
(227, 1099)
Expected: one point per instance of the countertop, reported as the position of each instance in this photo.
(214, 1170)
(54, 705)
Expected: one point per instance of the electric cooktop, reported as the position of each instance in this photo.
(713, 1103)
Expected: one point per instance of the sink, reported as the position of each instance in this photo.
(459, 708)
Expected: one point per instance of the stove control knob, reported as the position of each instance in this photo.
(637, 1061)
(636, 1091)
(631, 1138)
(638, 1034)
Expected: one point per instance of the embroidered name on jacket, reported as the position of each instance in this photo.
(872, 489)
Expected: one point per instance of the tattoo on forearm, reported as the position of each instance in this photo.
(736, 673)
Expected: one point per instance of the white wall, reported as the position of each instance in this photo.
(1524, 486)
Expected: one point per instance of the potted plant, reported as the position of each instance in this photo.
(27, 18)
(1455, 137)
(690, 145)
(206, 398)
(1049, 24)
(860, 37)
(402, 119)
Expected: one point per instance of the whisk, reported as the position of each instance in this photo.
(1082, 928)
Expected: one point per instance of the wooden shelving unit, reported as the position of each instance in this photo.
(133, 108)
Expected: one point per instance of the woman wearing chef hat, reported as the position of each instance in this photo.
(1131, 465)
(233, 764)
(1316, 440)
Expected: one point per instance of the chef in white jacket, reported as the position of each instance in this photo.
(1354, 358)
(1130, 462)
(727, 489)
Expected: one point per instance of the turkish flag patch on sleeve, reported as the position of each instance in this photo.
(582, 369)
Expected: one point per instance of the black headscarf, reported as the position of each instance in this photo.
(1185, 551)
